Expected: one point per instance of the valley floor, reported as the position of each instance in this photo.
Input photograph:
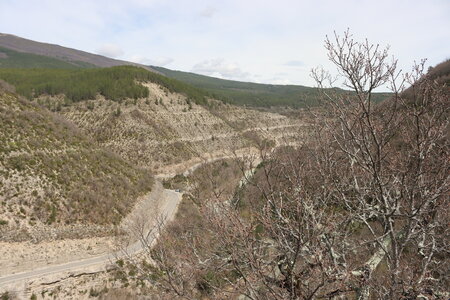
(29, 267)
(169, 138)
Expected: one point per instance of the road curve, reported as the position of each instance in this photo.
(168, 207)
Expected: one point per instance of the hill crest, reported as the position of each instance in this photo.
(23, 45)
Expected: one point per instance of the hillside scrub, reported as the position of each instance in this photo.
(115, 83)
(51, 173)
(189, 227)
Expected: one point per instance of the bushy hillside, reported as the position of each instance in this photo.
(441, 72)
(115, 83)
(51, 173)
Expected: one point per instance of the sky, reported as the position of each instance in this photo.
(277, 41)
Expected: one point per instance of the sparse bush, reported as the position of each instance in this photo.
(7, 87)
(93, 293)
(70, 176)
(117, 112)
(52, 218)
(6, 296)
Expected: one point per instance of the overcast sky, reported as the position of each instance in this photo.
(275, 41)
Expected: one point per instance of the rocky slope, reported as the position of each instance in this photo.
(61, 190)
(52, 174)
(166, 129)
(54, 168)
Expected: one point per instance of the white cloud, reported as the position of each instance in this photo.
(158, 61)
(218, 67)
(294, 63)
(280, 81)
(208, 12)
(263, 38)
(110, 50)
(161, 61)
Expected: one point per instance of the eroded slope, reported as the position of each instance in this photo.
(166, 128)
(51, 173)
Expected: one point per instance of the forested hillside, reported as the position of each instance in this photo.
(115, 83)
(254, 94)
(60, 53)
(13, 59)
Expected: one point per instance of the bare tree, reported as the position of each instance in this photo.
(363, 203)
(394, 161)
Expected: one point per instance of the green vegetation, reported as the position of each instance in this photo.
(13, 59)
(5, 296)
(74, 80)
(93, 293)
(56, 76)
(115, 83)
(71, 179)
(252, 94)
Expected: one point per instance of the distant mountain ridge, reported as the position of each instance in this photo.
(23, 53)
(69, 55)
(253, 94)
(247, 93)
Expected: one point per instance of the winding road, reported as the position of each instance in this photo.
(163, 201)
(168, 204)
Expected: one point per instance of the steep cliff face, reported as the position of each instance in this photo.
(166, 128)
